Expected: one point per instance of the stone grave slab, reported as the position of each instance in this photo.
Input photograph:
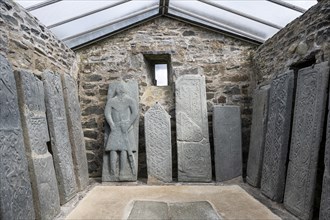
(158, 144)
(73, 113)
(194, 156)
(59, 135)
(35, 129)
(227, 142)
(16, 200)
(307, 130)
(149, 210)
(258, 133)
(277, 136)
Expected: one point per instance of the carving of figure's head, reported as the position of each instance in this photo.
(120, 90)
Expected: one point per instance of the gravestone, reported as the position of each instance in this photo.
(59, 136)
(306, 136)
(76, 134)
(194, 156)
(227, 137)
(120, 158)
(258, 133)
(33, 114)
(158, 144)
(16, 200)
(277, 136)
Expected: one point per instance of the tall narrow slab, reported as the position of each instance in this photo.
(227, 142)
(76, 134)
(121, 141)
(42, 174)
(158, 144)
(15, 189)
(59, 135)
(306, 136)
(277, 136)
(258, 134)
(194, 156)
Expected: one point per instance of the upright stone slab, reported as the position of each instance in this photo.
(76, 134)
(158, 144)
(59, 136)
(306, 136)
(277, 136)
(42, 174)
(194, 156)
(227, 137)
(120, 158)
(15, 189)
(258, 133)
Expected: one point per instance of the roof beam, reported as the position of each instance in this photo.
(42, 4)
(288, 5)
(163, 6)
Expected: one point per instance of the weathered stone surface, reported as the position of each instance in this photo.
(227, 142)
(76, 134)
(120, 159)
(16, 200)
(158, 144)
(277, 136)
(59, 135)
(194, 156)
(258, 133)
(192, 210)
(35, 128)
(307, 132)
(149, 210)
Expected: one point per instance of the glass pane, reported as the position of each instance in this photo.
(29, 3)
(161, 74)
(302, 4)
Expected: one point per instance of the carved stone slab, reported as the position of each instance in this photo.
(59, 135)
(16, 200)
(277, 136)
(258, 133)
(307, 132)
(194, 156)
(131, 165)
(158, 144)
(76, 134)
(35, 128)
(227, 142)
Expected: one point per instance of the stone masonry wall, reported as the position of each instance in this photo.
(225, 62)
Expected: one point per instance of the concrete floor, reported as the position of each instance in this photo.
(116, 202)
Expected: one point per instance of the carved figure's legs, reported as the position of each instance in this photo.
(123, 161)
(113, 161)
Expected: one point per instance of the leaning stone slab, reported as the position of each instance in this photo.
(76, 134)
(59, 135)
(258, 133)
(42, 174)
(306, 136)
(194, 156)
(120, 158)
(16, 200)
(158, 144)
(277, 136)
(227, 142)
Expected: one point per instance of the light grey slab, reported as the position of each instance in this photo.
(192, 210)
(149, 210)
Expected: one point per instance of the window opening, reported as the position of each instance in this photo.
(161, 75)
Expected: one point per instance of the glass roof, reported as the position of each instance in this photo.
(79, 22)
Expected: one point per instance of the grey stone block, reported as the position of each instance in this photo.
(277, 136)
(227, 142)
(158, 144)
(258, 134)
(193, 210)
(35, 128)
(149, 210)
(306, 136)
(194, 156)
(59, 136)
(76, 134)
(16, 200)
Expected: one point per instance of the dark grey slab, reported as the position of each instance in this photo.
(158, 144)
(277, 136)
(258, 134)
(194, 156)
(59, 135)
(131, 164)
(306, 136)
(192, 210)
(149, 210)
(227, 137)
(76, 134)
(35, 128)
(16, 200)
